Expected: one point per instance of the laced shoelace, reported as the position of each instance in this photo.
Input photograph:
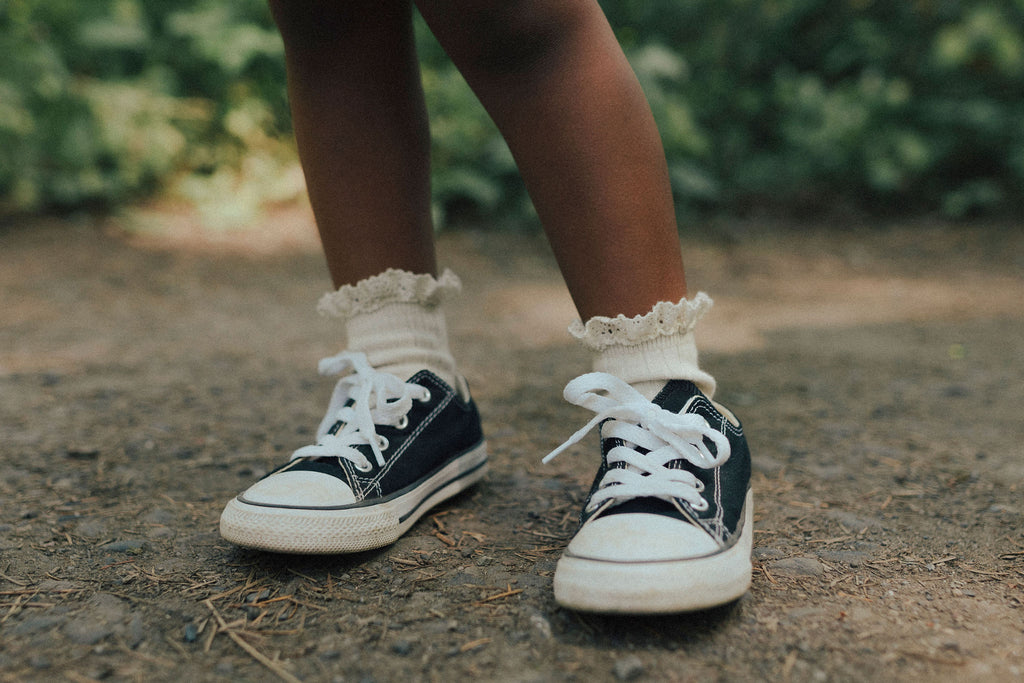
(373, 398)
(639, 423)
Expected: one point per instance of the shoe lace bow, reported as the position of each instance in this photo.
(362, 399)
(665, 436)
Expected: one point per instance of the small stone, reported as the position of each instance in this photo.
(38, 624)
(136, 631)
(853, 558)
(766, 465)
(798, 567)
(541, 626)
(628, 668)
(39, 662)
(159, 516)
(130, 545)
(401, 647)
(191, 633)
(768, 553)
(85, 631)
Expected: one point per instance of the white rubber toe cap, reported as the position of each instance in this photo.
(640, 537)
(299, 489)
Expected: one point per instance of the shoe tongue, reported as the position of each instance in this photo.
(651, 506)
(676, 395)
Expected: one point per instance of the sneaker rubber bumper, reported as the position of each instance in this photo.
(658, 587)
(353, 528)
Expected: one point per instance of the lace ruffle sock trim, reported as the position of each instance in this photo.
(397, 319)
(648, 350)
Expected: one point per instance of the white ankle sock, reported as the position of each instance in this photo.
(397, 320)
(649, 350)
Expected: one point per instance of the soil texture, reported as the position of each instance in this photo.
(147, 379)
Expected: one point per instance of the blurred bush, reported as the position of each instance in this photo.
(109, 100)
(901, 106)
(795, 104)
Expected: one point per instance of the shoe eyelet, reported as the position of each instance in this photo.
(364, 467)
(382, 442)
(426, 397)
(403, 423)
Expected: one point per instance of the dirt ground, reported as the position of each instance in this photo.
(147, 378)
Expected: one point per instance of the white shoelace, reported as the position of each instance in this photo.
(640, 423)
(378, 398)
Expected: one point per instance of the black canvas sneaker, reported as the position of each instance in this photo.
(387, 451)
(668, 524)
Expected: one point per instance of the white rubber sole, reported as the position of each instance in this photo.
(352, 529)
(661, 587)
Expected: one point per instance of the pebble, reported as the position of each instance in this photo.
(797, 567)
(628, 668)
(402, 647)
(38, 624)
(83, 452)
(159, 516)
(541, 625)
(470, 575)
(90, 528)
(102, 616)
(769, 553)
(39, 662)
(136, 631)
(851, 557)
(85, 631)
(126, 546)
(851, 521)
(766, 465)
(191, 633)
(800, 614)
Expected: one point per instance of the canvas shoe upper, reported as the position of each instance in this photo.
(387, 450)
(667, 526)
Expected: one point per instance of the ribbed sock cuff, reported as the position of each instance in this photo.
(649, 350)
(397, 320)
(403, 339)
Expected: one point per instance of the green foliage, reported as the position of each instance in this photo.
(474, 175)
(882, 105)
(895, 106)
(105, 100)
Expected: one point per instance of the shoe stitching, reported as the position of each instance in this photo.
(365, 486)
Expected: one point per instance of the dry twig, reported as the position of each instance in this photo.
(253, 652)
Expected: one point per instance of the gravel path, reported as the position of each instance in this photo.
(144, 381)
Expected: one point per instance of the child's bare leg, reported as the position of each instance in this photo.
(667, 524)
(401, 433)
(361, 127)
(552, 76)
